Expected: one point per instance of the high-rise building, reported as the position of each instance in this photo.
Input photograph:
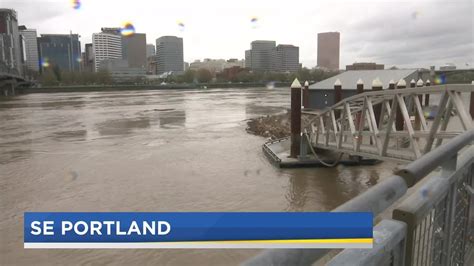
(134, 50)
(10, 48)
(106, 46)
(261, 55)
(133, 47)
(287, 58)
(31, 48)
(169, 52)
(60, 50)
(150, 50)
(88, 58)
(328, 50)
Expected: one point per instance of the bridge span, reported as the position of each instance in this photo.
(10, 81)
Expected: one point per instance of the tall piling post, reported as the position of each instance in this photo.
(399, 118)
(471, 106)
(427, 96)
(295, 118)
(337, 95)
(306, 95)
(359, 90)
(377, 86)
(391, 85)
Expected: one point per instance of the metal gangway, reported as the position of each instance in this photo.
(424, 212)
(392, 124)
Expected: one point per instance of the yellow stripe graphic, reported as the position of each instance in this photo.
(288, 241)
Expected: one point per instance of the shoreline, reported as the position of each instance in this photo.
(91, 88)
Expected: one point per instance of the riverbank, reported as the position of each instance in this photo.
(90, 88)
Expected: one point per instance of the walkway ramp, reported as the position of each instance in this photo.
(392, 124)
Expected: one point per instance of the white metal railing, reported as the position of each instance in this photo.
(430, 227)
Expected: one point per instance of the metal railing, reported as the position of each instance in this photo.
(373, 124)
(430, 227)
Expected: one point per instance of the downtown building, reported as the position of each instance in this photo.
(216, 65)
(150, 50)
(60, 50)
(261, 56)
(106, 46)
(328, 50)
(88, 58)
(134, 50)
(10, 46)
(287, 58)
(131, 48)
(30, 48)
(169, 55)
(265, 56)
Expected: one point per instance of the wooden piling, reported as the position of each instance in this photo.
(377, 86)
(306, 95)
(417, 126)
(337, 95)
(399, 118)
(359, 90)
(471, 106)
(427, 96)
(295, 118)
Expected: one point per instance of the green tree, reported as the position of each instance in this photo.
(189, 76)
(103, 77)
(203, 75)
(304, 74)
(48, 78)
(57, 72)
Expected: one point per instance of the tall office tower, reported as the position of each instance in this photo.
(31, 48)
(106, 46)
(60, 50)
(133, 47)
(261, 55)
(10, 47)
(88, 58)
(287, 58)
(150, 50)
(134, 50)
(169, 52)
(328, 50)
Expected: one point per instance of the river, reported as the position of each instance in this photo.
(151, 151)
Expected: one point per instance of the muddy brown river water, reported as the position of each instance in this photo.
(150, 151)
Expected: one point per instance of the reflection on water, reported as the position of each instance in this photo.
(122, 126)
(151, 151)
(172, 118)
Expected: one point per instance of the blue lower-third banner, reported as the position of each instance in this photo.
(287, 230)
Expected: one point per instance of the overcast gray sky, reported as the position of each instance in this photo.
(392, 32)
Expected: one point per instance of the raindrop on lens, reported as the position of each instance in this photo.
(254, 22)
(181, 26)
(76, 4)
(127, 29)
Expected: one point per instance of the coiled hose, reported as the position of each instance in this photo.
(335, 163)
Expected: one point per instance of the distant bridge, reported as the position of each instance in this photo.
(10, 80)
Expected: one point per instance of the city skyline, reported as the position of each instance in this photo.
(224, 32)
